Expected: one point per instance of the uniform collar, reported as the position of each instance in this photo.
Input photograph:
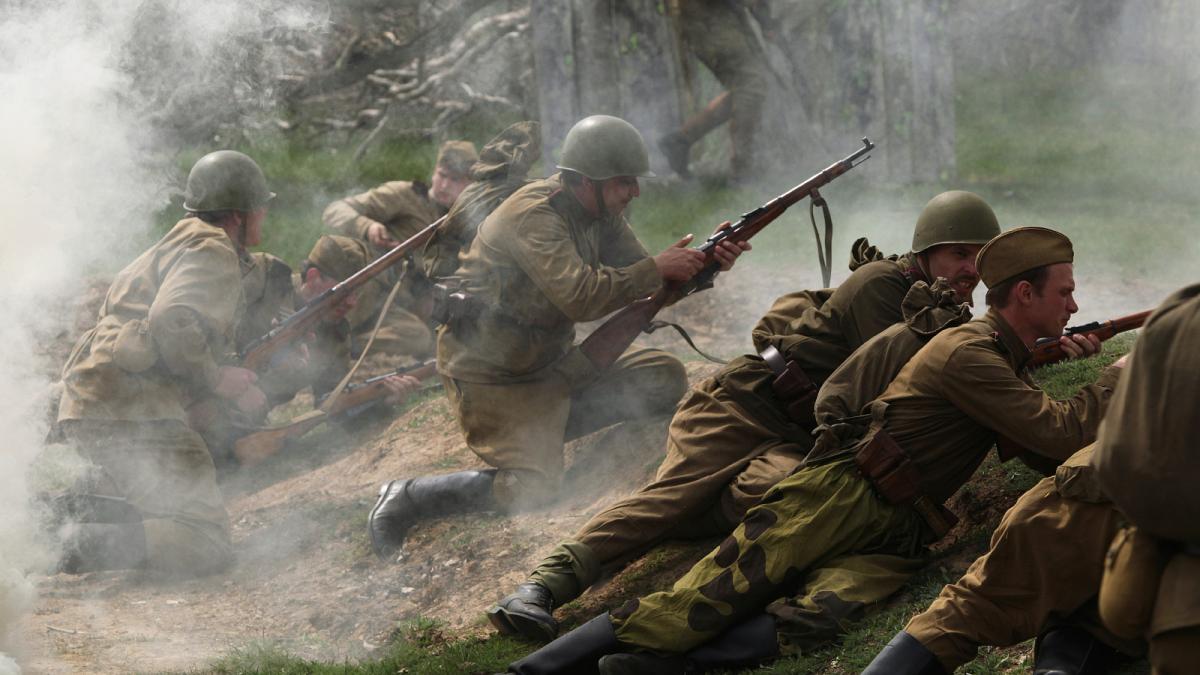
(567, 204)
(1004, 334)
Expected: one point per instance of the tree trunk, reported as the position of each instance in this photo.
(615, 57)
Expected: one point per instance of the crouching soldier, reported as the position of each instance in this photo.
(556, 252)
(167, 321)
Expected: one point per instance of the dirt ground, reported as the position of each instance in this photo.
(305, 578)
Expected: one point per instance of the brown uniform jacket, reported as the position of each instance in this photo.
(404, 208)
(1146, 458)
(969, 384)
(169, 318)
(539, 264)
(830, 327)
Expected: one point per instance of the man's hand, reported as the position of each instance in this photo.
(727, 252)
(1079, 346)
(400, 386)
(237, 385)
(378, 235)
(679, 263)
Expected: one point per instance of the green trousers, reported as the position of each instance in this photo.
(720, 461)
(818, 549)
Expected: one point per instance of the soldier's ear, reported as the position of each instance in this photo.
(312, 275)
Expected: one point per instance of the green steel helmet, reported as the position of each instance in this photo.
(955, 217)
(602, 147)
(226, 180)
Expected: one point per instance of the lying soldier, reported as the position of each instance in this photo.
(851, 526)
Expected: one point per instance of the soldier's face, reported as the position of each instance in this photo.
(444, 187)
(618, 192)
(1049, 311)
(316, 283)
(956, 264)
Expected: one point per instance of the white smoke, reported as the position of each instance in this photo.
(85, 167)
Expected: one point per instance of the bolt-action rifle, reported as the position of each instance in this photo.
(614, 336)
(1047, 350)
(355, 398)
(258, 353)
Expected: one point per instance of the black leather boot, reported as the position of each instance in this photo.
(746, 644)
(1070, 650)
(575, 652)
(89, 547)
(905, 655)
(529, 612)
(403, 503)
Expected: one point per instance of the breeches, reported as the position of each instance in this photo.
(720, 461)
(1045, 561)
(821, 533)
(520, 427)
(164, 470)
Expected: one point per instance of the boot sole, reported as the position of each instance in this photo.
(380, 553)
(510, 623)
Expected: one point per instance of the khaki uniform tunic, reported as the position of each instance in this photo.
(730, 440)
(518, 385)
(823, 533)
(168, 319)
(404, 208)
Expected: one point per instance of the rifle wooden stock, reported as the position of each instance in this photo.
(259, 352)
(1048, 350)
(614, 336)
(254, 448)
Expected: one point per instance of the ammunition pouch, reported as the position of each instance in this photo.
(450, 305)
(1133, 570)
(895, 478)
(793, 387)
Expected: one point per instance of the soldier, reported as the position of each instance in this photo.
(273, 292)
(501, 170)
(1050, 557)
(1146, 462)
(555, 253)
(849, 528)
(385, 216)
(736, 434)
(716, 32)
(167, 321)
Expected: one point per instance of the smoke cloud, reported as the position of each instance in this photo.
(88, 155)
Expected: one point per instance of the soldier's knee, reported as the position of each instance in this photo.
(187, 549)
(516, 490)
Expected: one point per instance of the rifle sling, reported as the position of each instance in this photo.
(824, 257)
(659, 323)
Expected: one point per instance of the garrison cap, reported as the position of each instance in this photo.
(1020, 250)
(339, 257)
(457, 157)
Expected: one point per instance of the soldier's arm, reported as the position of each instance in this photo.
(195, 309)
(546, 253)
(352, 216)
(871, 308)
(980, 382)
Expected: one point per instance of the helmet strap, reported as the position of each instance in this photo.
(598, 191)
